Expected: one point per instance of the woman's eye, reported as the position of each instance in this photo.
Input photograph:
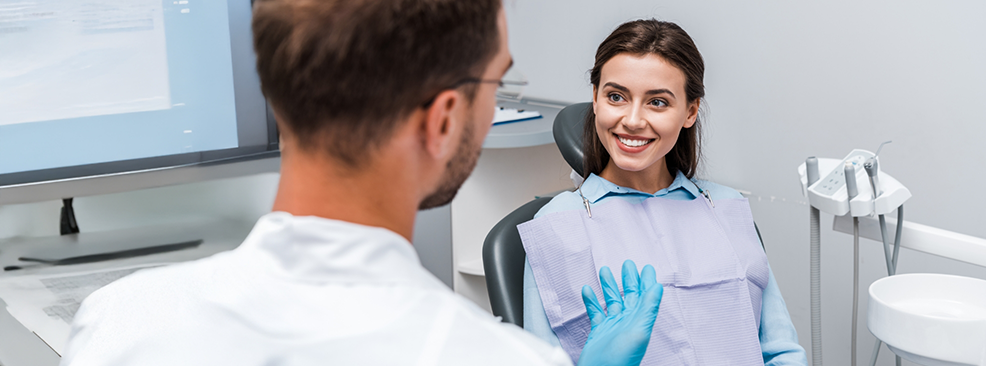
(658, 103)
(615, 97)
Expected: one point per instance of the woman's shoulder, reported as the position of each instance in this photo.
(716, 190)
(564, 201)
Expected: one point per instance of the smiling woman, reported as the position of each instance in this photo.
(638, 119)
(642, 150)
(659, 64)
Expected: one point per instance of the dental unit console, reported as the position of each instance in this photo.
(929, 319)
(855, 187)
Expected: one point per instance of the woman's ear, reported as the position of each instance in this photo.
(692, 113)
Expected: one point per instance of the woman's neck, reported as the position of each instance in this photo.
(652, 179)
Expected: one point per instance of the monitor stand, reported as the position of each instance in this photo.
(67, 220)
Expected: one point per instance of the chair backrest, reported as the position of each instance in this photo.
(503, 262)
(567, 130)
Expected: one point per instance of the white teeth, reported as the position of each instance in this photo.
(634, 143)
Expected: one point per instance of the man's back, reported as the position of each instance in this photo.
(299, 291)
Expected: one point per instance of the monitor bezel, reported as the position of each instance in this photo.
(259, 155)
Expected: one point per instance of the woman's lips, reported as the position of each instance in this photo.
(633, 144)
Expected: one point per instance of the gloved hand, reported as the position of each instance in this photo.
(620, 335)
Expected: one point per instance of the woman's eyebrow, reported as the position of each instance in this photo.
(649, 92)
(617, 87)
(660, 91)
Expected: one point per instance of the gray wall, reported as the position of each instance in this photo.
(786, 80)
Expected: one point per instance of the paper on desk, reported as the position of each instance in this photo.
(507, 115)
(46, 304)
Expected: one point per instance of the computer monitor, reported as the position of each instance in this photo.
(114, 95)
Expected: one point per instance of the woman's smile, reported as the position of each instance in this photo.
(633, 144)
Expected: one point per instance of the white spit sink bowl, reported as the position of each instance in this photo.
(931, 319)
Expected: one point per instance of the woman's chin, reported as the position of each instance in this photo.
(631, 166)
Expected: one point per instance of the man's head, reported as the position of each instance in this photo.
(342, 73)
(345, 76)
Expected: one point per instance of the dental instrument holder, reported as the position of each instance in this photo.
(866, 192)
(829, 194)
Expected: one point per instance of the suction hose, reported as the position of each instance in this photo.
(891, 265)
(853, 191)
(872, 169)
(811, 165)
(816, 289)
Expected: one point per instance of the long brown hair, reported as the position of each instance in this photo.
(668, 40)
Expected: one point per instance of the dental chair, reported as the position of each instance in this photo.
(503, 251)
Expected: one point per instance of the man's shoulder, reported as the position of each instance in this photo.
(435, 327)
(163, 295)
(482, 334)
(153, 282)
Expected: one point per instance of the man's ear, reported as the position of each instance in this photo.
(692, 113)
(442, 120)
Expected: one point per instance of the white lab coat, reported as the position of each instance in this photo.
(298, 291)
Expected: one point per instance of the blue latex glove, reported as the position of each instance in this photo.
(620, 335)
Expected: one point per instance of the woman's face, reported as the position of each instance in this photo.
(640, 107)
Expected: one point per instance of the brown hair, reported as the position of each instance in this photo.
(668, 40)
(342, 73)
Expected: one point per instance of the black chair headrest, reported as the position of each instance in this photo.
(567, 130)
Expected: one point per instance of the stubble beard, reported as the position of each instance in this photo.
(456, 172)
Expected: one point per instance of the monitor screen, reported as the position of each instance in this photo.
(96, 87)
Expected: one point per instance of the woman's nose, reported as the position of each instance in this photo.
(634, 120)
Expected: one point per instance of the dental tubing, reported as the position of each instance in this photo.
(872, 170)
(891, 253)
(891, 265)
(853, 191)
(816, 275)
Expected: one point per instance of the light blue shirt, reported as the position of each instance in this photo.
(778, 338)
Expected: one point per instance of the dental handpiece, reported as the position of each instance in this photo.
(851, 188)
(811, 168)
(873, 170)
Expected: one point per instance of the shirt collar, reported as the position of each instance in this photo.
(323, 250)
(595, 188)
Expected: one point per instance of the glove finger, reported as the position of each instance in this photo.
(650, 295)
(631, 284)
(611, 292)
(648, 278)
(592, 308)
(650, 302)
